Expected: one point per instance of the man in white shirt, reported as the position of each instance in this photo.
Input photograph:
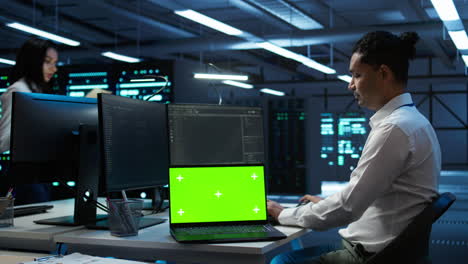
(397, 174)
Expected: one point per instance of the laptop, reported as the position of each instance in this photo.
(215, 204)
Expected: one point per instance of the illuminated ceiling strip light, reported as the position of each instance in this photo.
(88, 86)
(448, 13)
(345, 78)
(9, 62)
(279, 50)
(140, 85)
(465, 59)
(460, 39)
(273, 92)
(446, 10)
(238, 84)
(43, 34)
(142, 80)
(209, 22)
(317, 66)
(221, 76)
(120, 57)
(297, 57)
(2, 90)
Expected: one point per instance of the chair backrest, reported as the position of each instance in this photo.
(412, 244)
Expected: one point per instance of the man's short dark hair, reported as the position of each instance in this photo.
(382, 47)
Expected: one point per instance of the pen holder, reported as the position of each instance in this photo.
(6, 211)
(124, 216)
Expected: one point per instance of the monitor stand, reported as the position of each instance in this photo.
(157, 201)
(87, 170)
(68, 220)
(145, 221)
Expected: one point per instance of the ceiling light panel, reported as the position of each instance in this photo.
(297, 57)
(271, 91)
(465, 59)
(345, 78)
(239, 84)
(6, 61)
(460, 39)
(120, 57)
(221, 76)
(43, 34)
(288, 13)
(209, 22)
(446, 10)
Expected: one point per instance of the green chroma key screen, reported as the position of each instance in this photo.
(217, 194)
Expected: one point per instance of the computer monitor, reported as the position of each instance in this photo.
(54, 138)
(42, 128)
(135, 150)
(134, 145)
(215, 135)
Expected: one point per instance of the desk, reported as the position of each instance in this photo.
(156, 243)
(27, 235)
(14, 257)
(153, 243)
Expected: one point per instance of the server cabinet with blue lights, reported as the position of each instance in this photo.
(145, 81)
(79, 80)
(4, 83)
(287, 147)
(342, 139)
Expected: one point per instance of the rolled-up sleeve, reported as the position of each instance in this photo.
(384, 156)
(5, 121)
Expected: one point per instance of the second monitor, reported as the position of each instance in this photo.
(134, 145)
(215, 135)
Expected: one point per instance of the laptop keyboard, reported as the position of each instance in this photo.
(206, 230)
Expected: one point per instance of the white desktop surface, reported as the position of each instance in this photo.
(155, 243)
(27, 235)
(14, 257)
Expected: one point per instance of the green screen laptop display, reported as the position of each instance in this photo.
(217, 194)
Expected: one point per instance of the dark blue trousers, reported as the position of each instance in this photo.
(338, 253)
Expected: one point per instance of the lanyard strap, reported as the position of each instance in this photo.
(404, 106)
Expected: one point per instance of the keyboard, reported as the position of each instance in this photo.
(29, 210)
(206, 230)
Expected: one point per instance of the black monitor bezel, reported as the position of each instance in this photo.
(42, 171)
(105, 183)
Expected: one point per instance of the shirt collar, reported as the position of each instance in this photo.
(389, 107)
(34, 87)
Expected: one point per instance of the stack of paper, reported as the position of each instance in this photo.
(77, 258)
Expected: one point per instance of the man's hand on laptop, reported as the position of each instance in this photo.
(311, 198)
(274, 209)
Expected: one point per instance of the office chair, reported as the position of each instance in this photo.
(412, 245)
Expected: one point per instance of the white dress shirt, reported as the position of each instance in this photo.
(396, 177)
(5, 122)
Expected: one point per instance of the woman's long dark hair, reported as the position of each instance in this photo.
(29, 64)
